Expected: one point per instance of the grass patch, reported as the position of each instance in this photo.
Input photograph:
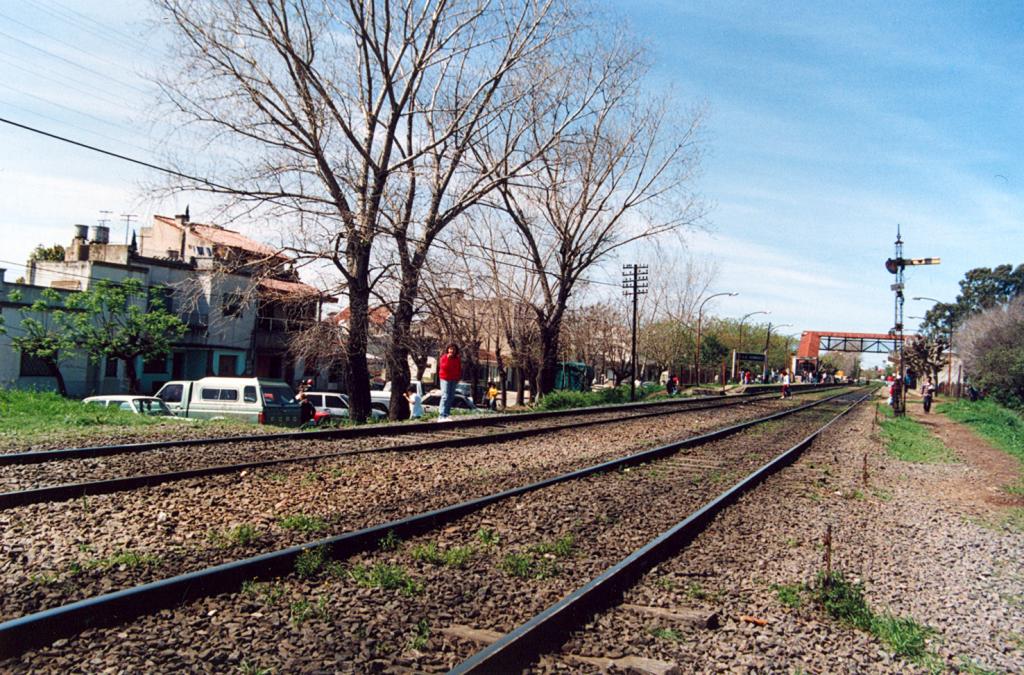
(845, 601)
(122, 560)
(456, 556)
(300, 522)
(908, 441)
(240, 535)
(666, 634)
(1000, 426)
(387, 577)
(561, 400)
(790, 595)
(26, 413)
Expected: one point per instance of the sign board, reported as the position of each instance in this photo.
(744, 356)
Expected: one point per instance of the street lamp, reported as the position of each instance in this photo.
(767, 343)
(700, 316)
(949, 356)
(745, 317)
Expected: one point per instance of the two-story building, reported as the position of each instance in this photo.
(240, 299)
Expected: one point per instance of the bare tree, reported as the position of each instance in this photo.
(352, 120)
(618, 176)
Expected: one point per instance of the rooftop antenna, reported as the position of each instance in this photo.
(104, 217)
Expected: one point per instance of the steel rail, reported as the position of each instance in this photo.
(39, 456)
(65, 491)
(40, 628)
(549, 629)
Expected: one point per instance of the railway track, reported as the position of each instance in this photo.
(705, 472)
(73, 473)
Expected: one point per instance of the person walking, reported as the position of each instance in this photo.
(927, 392)
(450, 371)
(492, 397)
(785, 383)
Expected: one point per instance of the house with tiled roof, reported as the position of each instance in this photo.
(241, 299)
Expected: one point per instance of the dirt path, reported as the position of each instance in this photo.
(991, 470)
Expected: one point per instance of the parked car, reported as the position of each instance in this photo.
(460, 403)
(140, 405)
(245, 399)
(337, 404)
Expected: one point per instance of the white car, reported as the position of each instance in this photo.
(337, 404)
(140, 405)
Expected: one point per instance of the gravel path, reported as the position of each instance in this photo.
(922, 549)
(520, 555)
(57, 552)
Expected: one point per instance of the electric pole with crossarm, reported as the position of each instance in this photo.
(634, 282)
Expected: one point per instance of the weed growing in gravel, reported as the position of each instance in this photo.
(487, 537)
(45, 578)
(561, 547)
(698, 592)
(268, 593)
(541, 560)
(310, 562)
(845, 601)
(276, 477)
(123, 560)
(789, 595)
(883, 495)
(387, 577)
(300, 611)
(419, 642)
(853, 494)
(909, 441)
(666, 634)
(240, 535)
(456, 557)
(311, 477)
(389, 542)
(967, 665)
(665, 583)
(247, 668)
(300, 522)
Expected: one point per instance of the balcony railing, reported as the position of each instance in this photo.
(273, 324)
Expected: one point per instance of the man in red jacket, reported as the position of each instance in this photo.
(450, 371)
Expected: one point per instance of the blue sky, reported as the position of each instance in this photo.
(828, 125)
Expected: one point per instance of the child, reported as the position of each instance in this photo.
(415, 403)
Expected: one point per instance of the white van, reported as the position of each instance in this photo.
(245, 399)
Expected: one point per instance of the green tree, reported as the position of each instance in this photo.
(981, 288)
(117, 322)
(44, 333)
(42, 253)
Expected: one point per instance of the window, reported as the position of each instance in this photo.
(110, 369)
(249, 394)
(33, 366)
(232, 304)
(334, 402)
(156, 366)
(219, 394)
(278, 395)
(126, 405)
(172, 393)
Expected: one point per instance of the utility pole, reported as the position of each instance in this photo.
(634, 282)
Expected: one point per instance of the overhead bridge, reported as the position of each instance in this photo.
(814, 342)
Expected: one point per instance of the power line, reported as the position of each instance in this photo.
(63, 81)
(222, 187)
(62, 13)
(76, 65)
